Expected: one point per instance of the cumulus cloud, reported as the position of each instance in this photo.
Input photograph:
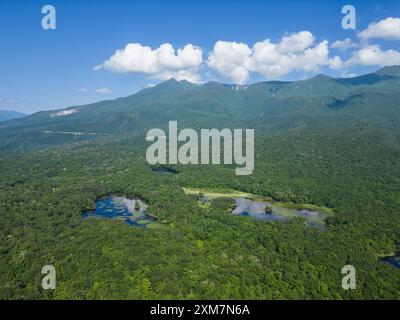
(344, 45)
(103, 91)
(295, 52)
(161, 63)
(336, 63)
(388, 29)
(232, 60)
(82, 90)
(271, 60)
(373, 55)
(296, 42)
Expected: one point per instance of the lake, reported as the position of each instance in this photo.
(256, 210)
(268, 211)
(131, 211)
(263, 208)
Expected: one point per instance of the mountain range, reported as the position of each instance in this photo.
(8, 115)
(269, 107)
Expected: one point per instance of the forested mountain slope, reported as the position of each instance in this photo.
(266, 106)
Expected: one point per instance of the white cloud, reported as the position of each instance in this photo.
(296, 42)
(295, 52)
(189, 75)
(162, 63)
(336, 63)
(238, 62)
(232, 60)
(373, 55)
(103, 91)
(344, 45)
(82, 90)
(388, 28)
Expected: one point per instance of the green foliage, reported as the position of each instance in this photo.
(308, 151)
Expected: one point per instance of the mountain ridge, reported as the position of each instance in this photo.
(6, 115)
(269, 107)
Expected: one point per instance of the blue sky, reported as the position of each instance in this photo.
(51, 69)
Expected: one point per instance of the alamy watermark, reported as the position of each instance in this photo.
(349, 280)
(188, 153)
(49, 20)
(349, 21)
(49, 280)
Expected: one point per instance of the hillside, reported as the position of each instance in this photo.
(266, 106)
(8, 115)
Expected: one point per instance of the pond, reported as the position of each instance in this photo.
(255, 209)
(392, 260)
(268, 211)
(131, 211)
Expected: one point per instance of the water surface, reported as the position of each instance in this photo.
(268, 211)
(393, 260)
(131, 211)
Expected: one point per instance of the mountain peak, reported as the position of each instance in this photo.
(321, 77)
(175, 83)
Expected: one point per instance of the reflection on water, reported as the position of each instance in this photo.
(255, 209)
(266, 211)
(133, 212)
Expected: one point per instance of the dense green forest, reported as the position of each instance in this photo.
(337, 147)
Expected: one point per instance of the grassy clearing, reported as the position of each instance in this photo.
(215, 194)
